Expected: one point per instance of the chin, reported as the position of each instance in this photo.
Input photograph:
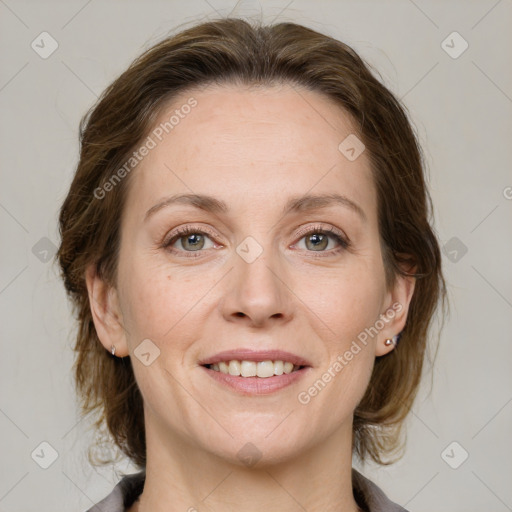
(259, 454)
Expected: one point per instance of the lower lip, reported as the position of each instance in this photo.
(257, 385)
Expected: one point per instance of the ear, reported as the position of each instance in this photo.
(395, 311)
(106, 313)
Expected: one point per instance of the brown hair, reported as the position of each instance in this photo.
(233, 51)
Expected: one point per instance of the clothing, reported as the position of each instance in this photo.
(367, 495)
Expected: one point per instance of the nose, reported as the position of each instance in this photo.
(257, 293)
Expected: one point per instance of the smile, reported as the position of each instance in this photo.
(246, 380)
(261, 369)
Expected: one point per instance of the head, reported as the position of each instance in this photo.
(250, 125)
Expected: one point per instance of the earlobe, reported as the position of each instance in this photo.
(106, 314)
(399, 300)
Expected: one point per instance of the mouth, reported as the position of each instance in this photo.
(259, 369)
(256, 373)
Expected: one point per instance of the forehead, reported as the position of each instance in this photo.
(250, 145)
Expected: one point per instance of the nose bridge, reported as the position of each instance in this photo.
(258, 287)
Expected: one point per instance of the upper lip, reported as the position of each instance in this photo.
(247, 354)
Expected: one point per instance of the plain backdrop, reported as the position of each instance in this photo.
(459, 452)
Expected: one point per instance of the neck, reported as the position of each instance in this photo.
(181, 476)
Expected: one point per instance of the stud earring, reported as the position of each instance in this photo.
(113, 350)
(393, 341)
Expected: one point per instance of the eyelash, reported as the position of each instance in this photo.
(332, 232)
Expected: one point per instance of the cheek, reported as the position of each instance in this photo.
(148, 308)
(158, 302)
(329, 400)
(350, 309)
(347, 301)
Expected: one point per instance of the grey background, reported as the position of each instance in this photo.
(461, 108)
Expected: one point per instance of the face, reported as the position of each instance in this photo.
(258, 266)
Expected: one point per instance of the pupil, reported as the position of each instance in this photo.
(194, 240)
(318, 240)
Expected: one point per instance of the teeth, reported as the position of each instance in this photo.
(264, 369)
(234, 367)
(288, 367)
(249, 369)
(261, 369)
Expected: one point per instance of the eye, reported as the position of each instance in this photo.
(190, 239)
(317, 239)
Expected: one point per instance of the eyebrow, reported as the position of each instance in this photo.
(302, 203)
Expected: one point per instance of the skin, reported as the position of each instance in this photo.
(252, 148)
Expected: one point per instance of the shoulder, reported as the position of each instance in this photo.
(123, 495)
(370, 496)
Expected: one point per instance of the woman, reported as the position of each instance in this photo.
(248, 246)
